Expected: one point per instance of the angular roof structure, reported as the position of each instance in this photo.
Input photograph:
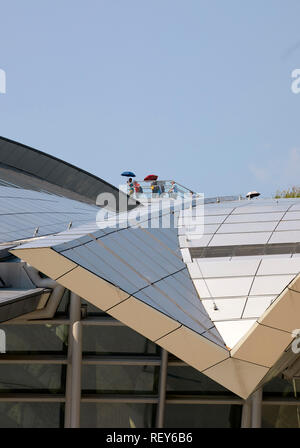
(218, 286)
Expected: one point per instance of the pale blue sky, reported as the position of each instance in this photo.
(195, 90)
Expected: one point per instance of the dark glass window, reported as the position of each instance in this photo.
(42, 378)
(280, 416)
(117, 415)
(279, 387)
(119, 379)
(31, 415)
(184, 379)
(115, 340)
(203, 416)
(36, 338)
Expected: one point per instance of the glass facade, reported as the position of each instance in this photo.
(121, 373)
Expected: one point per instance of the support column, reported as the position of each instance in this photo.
(246, 413)
(76, 374)
(160, 414)
(73, 380)
(256, 408)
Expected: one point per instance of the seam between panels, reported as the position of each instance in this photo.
(239, 359)
(145, 287)
(178, 306)
(253, 279)
(153, 285)
(251, 362)
(70, 270)
(185, 312)
(220, 225)
(112, 252)
(214, 365)
(275, 328)
(91, 272)
(132, 227)
(148, 244)
(206, 285)
(214, 342)
(281, 219)
(144, 254)
(251, 222)
(236, 319)
(81, 244)
(117, 304)
(293, 290)
(161, 243)
(100, 275)
(167, 334)
(244, 276)
(157, 281)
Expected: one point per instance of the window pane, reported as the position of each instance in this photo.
(41, 378)
(186, 379)
(279, 387)
(117, 415)
(203, 416)
(36, 338)
(119, 379)
(114, 340)
(31, 415)
(281, 416)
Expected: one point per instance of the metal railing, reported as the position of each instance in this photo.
(163, 189)
(160, 189)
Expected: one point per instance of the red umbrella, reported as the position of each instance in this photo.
(150, 177)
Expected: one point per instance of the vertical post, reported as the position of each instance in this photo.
(246, 413)
(160, 414)
(256, 408)
(74, 357)
(76, 374)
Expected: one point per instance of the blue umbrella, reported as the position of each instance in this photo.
(128, 174)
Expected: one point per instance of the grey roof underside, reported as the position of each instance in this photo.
(14, 303)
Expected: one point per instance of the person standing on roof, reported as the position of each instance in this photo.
(173, 190)
(138, 188)
(130, 186)
(155, 189)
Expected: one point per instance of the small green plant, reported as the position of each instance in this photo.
(293, 192)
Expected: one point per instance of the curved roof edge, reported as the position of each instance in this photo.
(26, 167)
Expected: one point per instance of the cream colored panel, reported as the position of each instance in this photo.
(262, 345)
(143, 318)
(192, 348)
(45, 260)
(92, 288)
(240, 377)
(284, 313)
